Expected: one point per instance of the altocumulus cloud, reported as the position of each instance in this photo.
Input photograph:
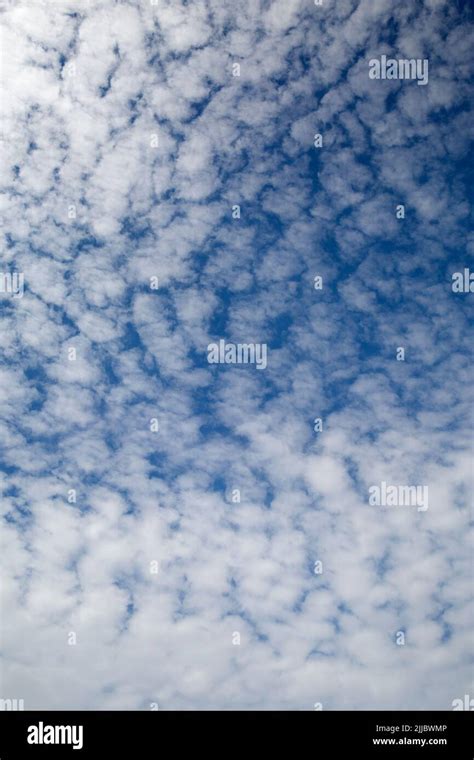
(199, 535)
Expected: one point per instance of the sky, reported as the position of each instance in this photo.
(183, 535)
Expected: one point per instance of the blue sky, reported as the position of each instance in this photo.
(127, 142)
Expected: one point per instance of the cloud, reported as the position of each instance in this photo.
(156, 505)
